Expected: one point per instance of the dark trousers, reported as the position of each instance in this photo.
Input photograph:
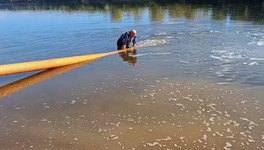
(119, 46)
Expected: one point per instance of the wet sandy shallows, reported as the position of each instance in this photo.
(136, 113)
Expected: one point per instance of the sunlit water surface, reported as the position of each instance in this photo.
(193, 83)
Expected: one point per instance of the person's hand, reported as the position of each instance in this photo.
(124, 47)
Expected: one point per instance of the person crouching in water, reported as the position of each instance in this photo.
(125, 39)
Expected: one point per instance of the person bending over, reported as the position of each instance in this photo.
(125, 39)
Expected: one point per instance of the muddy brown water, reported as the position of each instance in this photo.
(135, 113)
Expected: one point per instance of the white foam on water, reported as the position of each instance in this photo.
(250, 43)
(153, 54)
(215, 57)
(185, 62)
(161, 33)
(152, 42)
(219, 51)
(259, 59)
(227, 56)
(260, 43)
(214, 31)
(169, 37)
(228, 146)
(253, 63)
(232, 55)
(154, 144)
(258, 39)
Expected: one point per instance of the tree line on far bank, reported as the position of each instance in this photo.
(134, 1)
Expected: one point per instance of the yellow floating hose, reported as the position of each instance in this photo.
(36, 78)
(7, 69)
(52, 70)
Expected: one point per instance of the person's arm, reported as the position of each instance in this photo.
(135, 42)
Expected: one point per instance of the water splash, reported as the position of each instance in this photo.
(152, 42)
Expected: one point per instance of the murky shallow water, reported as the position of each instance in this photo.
(194, 83)
(136, 112)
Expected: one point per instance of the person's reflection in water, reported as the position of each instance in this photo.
(129, 56)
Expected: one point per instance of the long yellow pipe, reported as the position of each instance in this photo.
(36, 78)
(7, 69)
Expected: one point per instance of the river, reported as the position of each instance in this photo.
(195, 82)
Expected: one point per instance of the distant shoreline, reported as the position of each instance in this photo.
(248, 11)
(133, 1)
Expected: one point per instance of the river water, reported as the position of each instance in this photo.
(195, 82)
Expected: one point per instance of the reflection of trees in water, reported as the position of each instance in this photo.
(138, 13)
(239, 12)
(187, 10)
(116, 13)
(156, 12)
(176, 10)
(189, 13)
(219, 14)
(157, 8)
(245, 13)
(181, 10)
